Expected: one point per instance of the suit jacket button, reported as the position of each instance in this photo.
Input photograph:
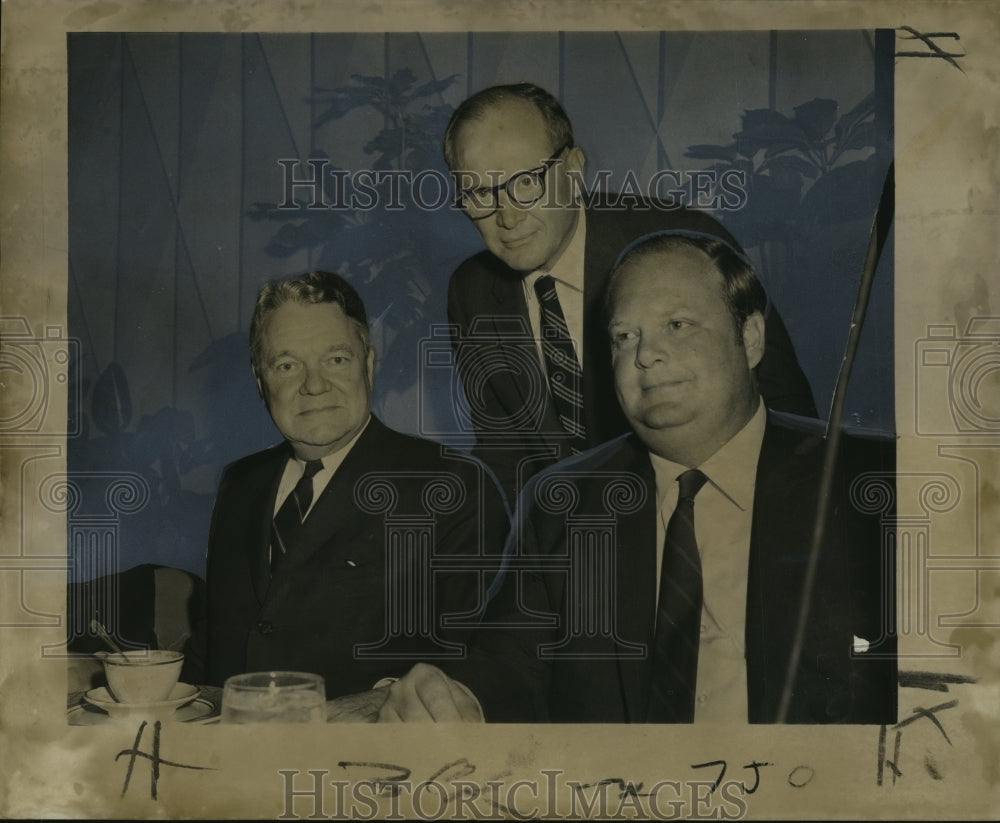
(265, 627)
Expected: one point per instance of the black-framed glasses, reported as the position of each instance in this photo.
(524, 189)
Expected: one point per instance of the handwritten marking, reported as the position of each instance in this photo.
(756, 776)
(918, 713)
(722, 774)
(804, 782)
(625, 787)
(930, 714)
(743, 786)
(465, 770)
(934, 50)
(156, 760)
(380, 782)
(932, 681)
(931, 767)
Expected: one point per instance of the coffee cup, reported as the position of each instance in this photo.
(146, 676)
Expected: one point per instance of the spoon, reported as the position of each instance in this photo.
(97, 628)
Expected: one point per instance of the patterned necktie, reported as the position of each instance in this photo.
(562, 367)
(674, 657)
(288, 520)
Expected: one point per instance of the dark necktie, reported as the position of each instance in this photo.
(674, 656)
(288, 521)
(562, 367)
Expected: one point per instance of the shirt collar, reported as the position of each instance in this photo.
(732, 469)
(332, 461)
(568, 269)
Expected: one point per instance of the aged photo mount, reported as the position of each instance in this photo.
(151, 163)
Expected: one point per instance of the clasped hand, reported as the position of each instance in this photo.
(425, 694)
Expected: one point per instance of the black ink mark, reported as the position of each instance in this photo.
(464, 770)
(930, 714)
(156, 760)
(743, 786)
(931, 681)
(931, 767)
(756, 776)
(893, 764)
(881, 757)
(935, 50)
(380, 782)
(918, 713)
(626, 788)
(722, 774)
(796, 770)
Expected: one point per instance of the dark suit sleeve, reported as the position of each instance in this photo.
(871, 571)
(503, 669)
(204, 657)
(836, 680)
(475, 532)
(196, 649)
(485, 406)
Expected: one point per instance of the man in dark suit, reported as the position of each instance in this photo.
(519, 176)
(330, 553)
(630, 599)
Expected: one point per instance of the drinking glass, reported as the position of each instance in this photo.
(274, 697)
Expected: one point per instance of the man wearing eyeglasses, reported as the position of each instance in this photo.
(529, 344)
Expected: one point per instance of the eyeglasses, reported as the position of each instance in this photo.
(523, 189)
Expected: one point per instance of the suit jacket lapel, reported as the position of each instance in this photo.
(783, 517)
(636, 585)
(606, 238)
(506, 319)
(335, 513)
(262, 503)
(509, 308)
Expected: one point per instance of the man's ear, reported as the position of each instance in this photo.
(753, 338)
(575, 160)
(259, 382)
(370, 365)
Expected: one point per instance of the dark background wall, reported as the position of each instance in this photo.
(174, 221)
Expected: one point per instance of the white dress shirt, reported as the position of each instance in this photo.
(723, 515)
(295, 468)
(568, 275)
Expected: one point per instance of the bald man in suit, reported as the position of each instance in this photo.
(518, 174)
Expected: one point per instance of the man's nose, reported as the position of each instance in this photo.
(651, 349)
(509, 214)
(315, 381)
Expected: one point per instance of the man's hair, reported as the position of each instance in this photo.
(314, 287)
(741, 289)
(476, 107)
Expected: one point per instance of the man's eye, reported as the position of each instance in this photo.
(284, 367)
(677, 325)
(527, 180)
(621, 338)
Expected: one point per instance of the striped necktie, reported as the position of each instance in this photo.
(288, 521)
(561, 366)
(674, 657)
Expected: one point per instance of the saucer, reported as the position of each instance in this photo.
(157, 710)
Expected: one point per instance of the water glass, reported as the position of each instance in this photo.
(274, 697)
